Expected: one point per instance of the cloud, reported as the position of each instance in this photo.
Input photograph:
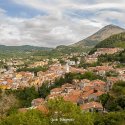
(65, 21)
(52, 6)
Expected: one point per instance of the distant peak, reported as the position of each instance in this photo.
(112, 26)
(100, 35)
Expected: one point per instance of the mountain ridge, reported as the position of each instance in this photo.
(100, 35)
(23, 48)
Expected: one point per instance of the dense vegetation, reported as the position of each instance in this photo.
(117, 40)
(20, 51)
(7, 52)
(35, 69)
(115, 100)
(24, 96)
(70, 49)
(22, 48)
(66, 114)
(64, 110)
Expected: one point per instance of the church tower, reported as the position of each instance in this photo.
(67, 68)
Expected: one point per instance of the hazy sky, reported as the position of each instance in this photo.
(55, 22)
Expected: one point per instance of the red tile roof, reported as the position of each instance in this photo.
(87, 88)
(52, 96)
(71, 98)
(113, 79)
(67, 85)
(86, 94)
(90, 105)
(76, 92)
(98, 82)
(57, 90)
(99, 93)
(42, 108)
(38, 100)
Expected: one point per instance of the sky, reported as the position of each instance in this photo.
(49, 23)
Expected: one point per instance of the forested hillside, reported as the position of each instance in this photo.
(117, 40)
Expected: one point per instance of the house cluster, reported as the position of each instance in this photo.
(101, 51)
(56, 71)
(84, 93)
(14, 62)
(16, 80)
(91, 58)
(28, 79)
(73, 63)
(101, 70)
(81, 92)
(39, 104)
(38, 63)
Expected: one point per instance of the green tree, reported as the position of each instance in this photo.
(121, 101)
(31, 117)
(104, 98)
(26, 95)
(59, 109)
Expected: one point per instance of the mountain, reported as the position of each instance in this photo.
(102, 34)
(22, 48)
(25, 51)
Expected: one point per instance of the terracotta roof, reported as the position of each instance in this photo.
(85, 80)
(106, 68)
(78, 70)
(67, 85)
(42, 108)
(120, 69)
(76, 92)
(123, 75)
(90, 105)
(71, 98)
(98, 82)
(9, 81)
(99, 93)
(53, 96)
(113, 79)
(38, 100)
(57, 90)
(25, 73)
(86, 94)
(87, 88)
(99, 88)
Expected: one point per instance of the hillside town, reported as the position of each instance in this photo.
(82, 92)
